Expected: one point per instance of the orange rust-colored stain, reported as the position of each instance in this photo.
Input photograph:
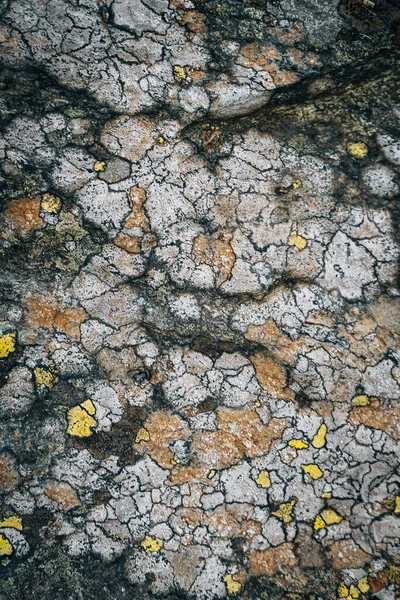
(271, 375)
(375, 416)
(43, 310)
(268, 562)
(22, 215)
(62, 493)
(216, 251)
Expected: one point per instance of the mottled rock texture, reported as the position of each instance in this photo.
(199, 301)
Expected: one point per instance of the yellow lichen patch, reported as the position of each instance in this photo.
(394, 574)
(211, 474)
(5, 547)
(319, 523)
(326, 495)
(297, 240)
(142, 436)
(47, 377)
(363, 585)
(232, 587)
(89, 407)
(354, 592)
(263, 479)
(319, 438)
(179, 73)
(313, 471)
(80, 420)
(51, 204)
(296, 184)
(14, 522)
(150, 544)
(7, 344)
(331, 517)
(343, 590)
(357, 149)
(99, 166)
(298, 444)
(285, 511)
(360, 401)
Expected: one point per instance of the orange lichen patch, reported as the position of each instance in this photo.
(215, 449)
(62, 493)
(345, 554)
(266, 61)
(138, 217)
(43, 310)
(229, 521)
(9, 476)
(240, 433)
(271, 375)
(194, 21)
(252, 437)
(216, 251)
(375, 416)
(128, 243)
(163, 428)
(278, 343)
(22, 215)
(268, 562)
(210, 135)
(379, 581)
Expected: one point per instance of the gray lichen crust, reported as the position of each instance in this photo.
(199, 303)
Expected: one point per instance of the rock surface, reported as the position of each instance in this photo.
(199, 302)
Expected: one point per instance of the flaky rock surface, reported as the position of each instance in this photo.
(199, 301)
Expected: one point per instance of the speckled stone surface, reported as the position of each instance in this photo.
(199, 301)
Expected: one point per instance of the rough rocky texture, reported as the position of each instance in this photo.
(199, 303)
